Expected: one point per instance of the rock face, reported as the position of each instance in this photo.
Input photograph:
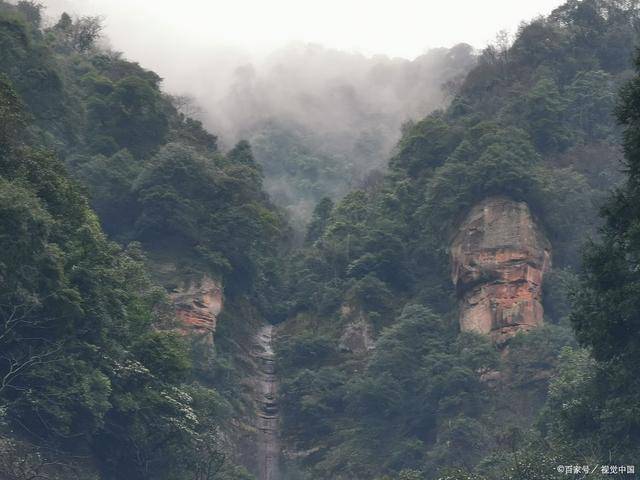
(499, 257)
(198, 304)
(357, 337)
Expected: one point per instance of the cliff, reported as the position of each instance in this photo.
(499, 257)
(197, 304)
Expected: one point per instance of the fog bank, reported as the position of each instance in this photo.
(300, 79)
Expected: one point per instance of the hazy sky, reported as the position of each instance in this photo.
(196, 45)
(403, 28)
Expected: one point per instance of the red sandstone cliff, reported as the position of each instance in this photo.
(499, 257)
(198, 304)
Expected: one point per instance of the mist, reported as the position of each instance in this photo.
(321, 120)
(320, 94)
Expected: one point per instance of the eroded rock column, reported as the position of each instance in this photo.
(499, 257)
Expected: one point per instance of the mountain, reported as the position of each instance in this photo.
(321, 121)
(430, 332)
(468, 312)
(107, 369)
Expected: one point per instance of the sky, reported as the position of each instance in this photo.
(196, 46)
(242, 61)
(404, 28)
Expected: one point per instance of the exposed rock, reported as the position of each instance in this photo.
(357, 336)
(300, 454)
(492, 377)
(198, 304)
(499, 257)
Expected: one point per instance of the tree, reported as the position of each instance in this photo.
(591, 98)
(132, 114)
(80, 34)
(543, 111)
(32, 11)
(425, 145)
(110, 182)
(81, 367)
(606, 314)
(11, 113)
(490, 161)
(319, 220)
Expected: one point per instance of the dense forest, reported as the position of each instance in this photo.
(94, 376)
(533, 121)
(115, 204)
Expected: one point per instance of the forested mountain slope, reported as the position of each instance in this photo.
(377, 378)
(95, 379)
(157, 323)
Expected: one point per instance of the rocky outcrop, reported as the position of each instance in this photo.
(499, 257)
(197, 304)
(357, 336)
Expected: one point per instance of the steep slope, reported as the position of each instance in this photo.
(532, 123)
(268, 448)
(372, 377)
(499, 259)
(116, 360)
(90, 386)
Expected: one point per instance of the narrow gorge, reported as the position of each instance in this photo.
(266, 391)
(198, 303)
(320, 261)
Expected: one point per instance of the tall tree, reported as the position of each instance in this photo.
(607, 306)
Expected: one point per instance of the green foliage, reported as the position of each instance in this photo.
(531, 122)
(85, 370)
(591, 98)
(131, 114)
(491, 161)
(319, 220)
(311, 400)
(81, 34)
(26, 60)
(10, 111)
(303, 351)
(74, 312)
(605, 315)
(370, 294)
(110, 181)
(534, 355)
(425, 145)
(557, 304)
(542, 111)
(152, 173)
(164, 354)
(298, 172)
(569, 405)
(420, 390)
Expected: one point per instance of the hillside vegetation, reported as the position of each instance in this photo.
(111, 198)
(93, 377)
(533, 121)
